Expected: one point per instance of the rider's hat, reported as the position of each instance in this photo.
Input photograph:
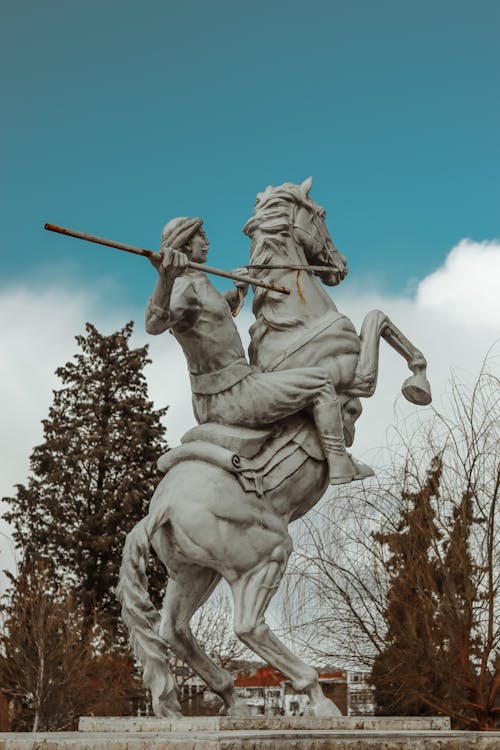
(179, 231)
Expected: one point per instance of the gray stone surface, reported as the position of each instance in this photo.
(225, 723)
(215, 515)
(293, 739)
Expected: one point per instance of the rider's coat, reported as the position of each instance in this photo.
(225, 387)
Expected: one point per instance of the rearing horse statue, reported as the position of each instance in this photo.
(229, 491)
(288, 228)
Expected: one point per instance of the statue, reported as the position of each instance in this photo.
(272, 434)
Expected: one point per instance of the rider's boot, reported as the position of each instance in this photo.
(342, 466)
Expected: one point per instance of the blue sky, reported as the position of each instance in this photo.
(120, 115)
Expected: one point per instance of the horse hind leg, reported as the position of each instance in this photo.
(252, 593)
(184, 595)
(375, 326)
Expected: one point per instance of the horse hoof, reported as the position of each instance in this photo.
(417, 389)
(323, 709)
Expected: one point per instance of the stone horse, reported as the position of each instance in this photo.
(305, 328)
(228, 494)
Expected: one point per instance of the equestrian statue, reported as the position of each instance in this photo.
(273, 432)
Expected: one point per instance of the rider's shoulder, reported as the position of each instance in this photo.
(186, 285)
(185, 292)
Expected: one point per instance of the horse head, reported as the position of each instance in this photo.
(288, 210)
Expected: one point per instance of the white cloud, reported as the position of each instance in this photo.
(453, 318)
(466, 289)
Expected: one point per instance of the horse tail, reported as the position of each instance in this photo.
(143, 620)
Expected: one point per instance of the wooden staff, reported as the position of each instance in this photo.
(290, 267)
(151, 254)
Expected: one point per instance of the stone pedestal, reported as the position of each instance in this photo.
(262, 723)
(259, 733)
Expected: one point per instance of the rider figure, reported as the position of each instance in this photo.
(225, 388)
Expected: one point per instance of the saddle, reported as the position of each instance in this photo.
(261, 458)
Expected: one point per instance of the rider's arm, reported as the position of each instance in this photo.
(173, 303)
(234, 297)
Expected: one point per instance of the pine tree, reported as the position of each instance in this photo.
(403, 671)
(459, 646)
(431, 662)
(94, 472)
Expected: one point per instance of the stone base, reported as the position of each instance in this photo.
(285, 739)
(226, 723)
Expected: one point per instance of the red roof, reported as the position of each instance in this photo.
(339, 675)
(270, 677)
(262, 677)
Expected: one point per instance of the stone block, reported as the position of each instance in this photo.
(226, 723)
(285, 739)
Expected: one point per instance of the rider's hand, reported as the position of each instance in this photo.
(241, 285)
(173, 261)
(155, 259)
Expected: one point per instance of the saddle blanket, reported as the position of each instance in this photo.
(261, 459)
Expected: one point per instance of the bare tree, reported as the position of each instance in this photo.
(53, 668)
(361, 600)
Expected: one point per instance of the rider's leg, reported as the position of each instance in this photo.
(327, 414)
(266, 397)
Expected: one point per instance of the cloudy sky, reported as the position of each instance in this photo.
(119, 115)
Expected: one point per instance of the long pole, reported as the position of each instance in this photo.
(288, 267)
(151, 254)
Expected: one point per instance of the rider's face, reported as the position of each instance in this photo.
(199, 247)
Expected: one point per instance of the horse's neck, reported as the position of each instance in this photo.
(307, 298)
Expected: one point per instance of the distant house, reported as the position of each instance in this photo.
(267, 692)
(263, 691)
(360, 695)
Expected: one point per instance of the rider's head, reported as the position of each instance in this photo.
(179, 232)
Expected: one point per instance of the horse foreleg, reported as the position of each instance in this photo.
(416, 388)
(375, 326)
(184, 595)
(252, 593)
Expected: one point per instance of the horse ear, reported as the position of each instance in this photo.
(306, 186)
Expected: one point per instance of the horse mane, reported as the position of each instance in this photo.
(271, 213)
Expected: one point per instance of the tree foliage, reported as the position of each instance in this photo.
(404, 667)
(94, 472)
(53, 666)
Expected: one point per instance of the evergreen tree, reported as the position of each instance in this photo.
(459, 642)
(403, 670)
(434, 659)
(94, 472)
